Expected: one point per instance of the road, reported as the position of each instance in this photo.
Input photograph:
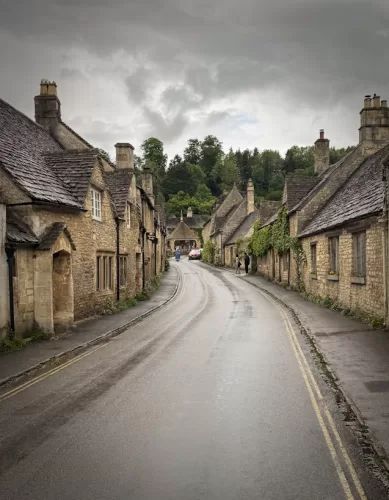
(213, 397)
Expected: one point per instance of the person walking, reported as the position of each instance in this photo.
(237, 264)
(246, 262)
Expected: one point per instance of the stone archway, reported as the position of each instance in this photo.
(63, 294)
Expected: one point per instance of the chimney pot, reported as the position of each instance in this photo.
(384, 103)
(376, 101)
(189, 213)
(321, 134)
(367, 103)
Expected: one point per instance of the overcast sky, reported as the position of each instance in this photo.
(265, 73)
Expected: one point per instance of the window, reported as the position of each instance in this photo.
(333, 249)
(285, 262)
(123, 270)
(96, 204)
(313, 259)
(128, 215)
(104, 272)
(359, 254)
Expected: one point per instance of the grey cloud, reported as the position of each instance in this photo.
(183, 55)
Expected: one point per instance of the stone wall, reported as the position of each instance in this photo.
(367, 297)
(4, 295)
(23, 283)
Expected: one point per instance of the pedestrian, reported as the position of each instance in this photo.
(237, 264)
(178, 254)
(246, 262)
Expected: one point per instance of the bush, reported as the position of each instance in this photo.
(8, 345)
(142, 296)
(209, 252)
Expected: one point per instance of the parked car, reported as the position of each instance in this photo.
(195, 254)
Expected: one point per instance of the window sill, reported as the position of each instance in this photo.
(105, 292)
(333, 277)
(358, 280)
(313, 276)
(96, 219)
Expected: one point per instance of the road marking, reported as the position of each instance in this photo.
(51, 372)
(307, 376)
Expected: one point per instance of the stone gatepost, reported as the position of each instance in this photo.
(43, 290)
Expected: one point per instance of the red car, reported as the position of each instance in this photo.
(195, 254)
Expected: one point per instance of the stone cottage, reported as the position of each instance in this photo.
(230, 211)
(238, 241)
(340, 222)
(195, 222)
(184, 238)
(69, 219)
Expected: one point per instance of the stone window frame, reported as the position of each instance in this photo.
(314, 260)
(97, 203)
(359, 257)
(104, 272)
(333, 255)
(123, 269)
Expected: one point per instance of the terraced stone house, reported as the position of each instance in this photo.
(341, 220)
(76, 231)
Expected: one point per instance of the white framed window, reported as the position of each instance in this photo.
(128, 215)
(96, 204)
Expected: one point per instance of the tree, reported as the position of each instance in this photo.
(211, 152)
(203, 200)
(299, 158)
(153, 155)
(176, 178)
(192, 153)
(338, 154)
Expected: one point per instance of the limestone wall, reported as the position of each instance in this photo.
(4, 294)
(368, 297)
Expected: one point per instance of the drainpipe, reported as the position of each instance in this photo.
(10, 254)
(117, 258)
(289, 256)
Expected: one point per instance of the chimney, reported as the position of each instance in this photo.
(250, 197)
(47, 105)
(376, 101)
(189, 213)
(147, 183)
(124, 156)
(374, 129)
(322, 154)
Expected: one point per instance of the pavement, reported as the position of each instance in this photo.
(357, 355)
(210, 397)
(37, 355)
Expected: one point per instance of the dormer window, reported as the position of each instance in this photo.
(96, 204)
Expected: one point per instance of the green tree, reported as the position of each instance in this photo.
(203, 200)
(178, 202)
(192, 153)
(154, 156)
(211, 152)
(299, 158)
(338, 154)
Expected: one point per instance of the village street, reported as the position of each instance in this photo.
(214, 396)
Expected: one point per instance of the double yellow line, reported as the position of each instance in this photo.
(53, 371)
(323, 415)
(34, 381)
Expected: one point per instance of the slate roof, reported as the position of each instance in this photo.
(322, 180)
(183, 232)
(51, 235)
(244, 227)
(268, 208)
(297, 186)
(362, 195)
(74, 168)
(119, 182)
(197, 221)
(18, 233)
(22, 147)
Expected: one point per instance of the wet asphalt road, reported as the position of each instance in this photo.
(205, 399)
